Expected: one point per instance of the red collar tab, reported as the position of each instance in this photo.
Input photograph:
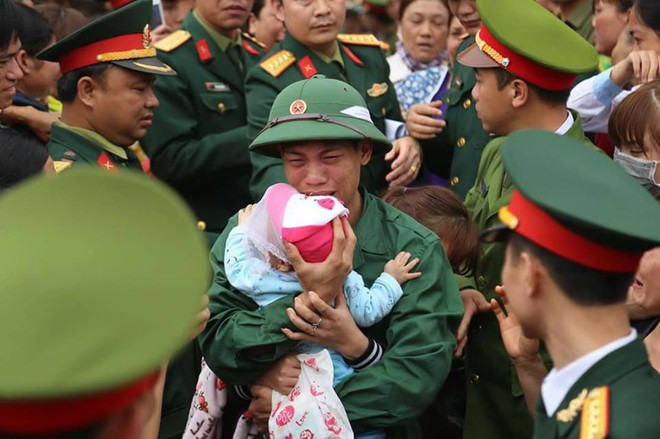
(131, 46)
(352, 56)
(542, 229)
(105, 163)
(527, 69)
(203, 50)
(307, 67)
(46, 417)
(249, 49)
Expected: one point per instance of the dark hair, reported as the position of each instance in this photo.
(90, 432)
(648, 12)
(257, 6)
(621, 5)
(21, 157)
(441, 211)
(63, 20)
(10, 22)
(405, 3)
(37, 33)
(583, 285)
(67, 86)
(505, 77)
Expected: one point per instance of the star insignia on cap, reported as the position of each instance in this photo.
(298, 107)
(146, 37)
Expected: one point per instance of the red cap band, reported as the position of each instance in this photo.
(527, 69)
(42, 417)
(93, 53)
(116, 4)
(542, 229)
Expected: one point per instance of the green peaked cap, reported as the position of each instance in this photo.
(318, 109)
(102, 276)
(583, 190)
(105, 40)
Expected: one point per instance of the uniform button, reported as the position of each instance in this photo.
(221, 107)
(384, 111)
(474, 379)
(454, 181)
(201, 225)
(448, 101)
(467, 104)
(481, 281)
(461, 142)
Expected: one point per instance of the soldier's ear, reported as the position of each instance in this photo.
(87, 88)
(277, 7)
(366, 149)
(519, 92)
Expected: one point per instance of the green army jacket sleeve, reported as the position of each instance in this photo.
(365, 66)
(493, 390)
(242, 341)
(628, 407)
(199, 128)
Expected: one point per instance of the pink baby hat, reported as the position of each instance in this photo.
(304, 220)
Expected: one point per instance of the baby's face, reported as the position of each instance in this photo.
(279, 264)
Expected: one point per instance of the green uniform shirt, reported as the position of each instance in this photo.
(634, 399)
(455, 153)
(198, 142)
(78, 145)
(366, 69)
(495, 404)
(242, 341)
(580, 20)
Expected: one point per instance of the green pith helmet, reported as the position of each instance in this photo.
(101, 278)
(576, 203)
(121, 37)
(318, 109)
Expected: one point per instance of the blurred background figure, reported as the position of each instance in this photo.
(609, 22)
(174, 11)
(577, 14)
(354, 22)
(381, 18)
(21, 157)
(457, 34)
(424, 26)
(264, 25)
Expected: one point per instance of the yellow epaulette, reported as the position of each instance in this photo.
(384, 45)
(247, 36)
(359, 39)
(173, 40)
(61, 165)
(595, 421)
(278, 63)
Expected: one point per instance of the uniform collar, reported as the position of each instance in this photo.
(96, 139)
(336, 57)
(220, 40)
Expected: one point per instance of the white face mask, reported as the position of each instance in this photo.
(643, 170)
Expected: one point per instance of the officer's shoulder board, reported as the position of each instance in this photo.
(362, 40)
(278, 63)
(247, 36)
(595, 420)
(61, 165)
(173, 40)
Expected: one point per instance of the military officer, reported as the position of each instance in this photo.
(452, 142)
(521, 84)
(108, 68)
(570, 257)
(313, 45)
(324, 133)
(84, 330)
(199, 143)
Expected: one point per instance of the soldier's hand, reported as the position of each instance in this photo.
(639, 66)
(516, 343)
(422, 120)
(406, 161)
(326, 278)
(474, 302)
(39, 122)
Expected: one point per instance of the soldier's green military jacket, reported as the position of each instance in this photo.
(495, 403)
(198, 142)
(366, 70)
(418, 335)
(456, 151)
(66, 145)
(623, 397)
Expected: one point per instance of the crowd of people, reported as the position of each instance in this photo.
(380, 219)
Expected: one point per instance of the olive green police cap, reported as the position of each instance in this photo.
(101, 278)
(318, 109)
(526, 39)
(121, 37)
(576, 203)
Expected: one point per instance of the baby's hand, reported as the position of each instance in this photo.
(399, 268)
(245, 213)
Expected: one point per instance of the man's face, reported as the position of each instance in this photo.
(266, 27)
(175, 11)
(10, 72)
(492, 105)
(225, 16)
(313, 23)
(330, 167)
(122, 105)
(466, 11)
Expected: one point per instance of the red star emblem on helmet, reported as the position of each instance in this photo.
(298, 107)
